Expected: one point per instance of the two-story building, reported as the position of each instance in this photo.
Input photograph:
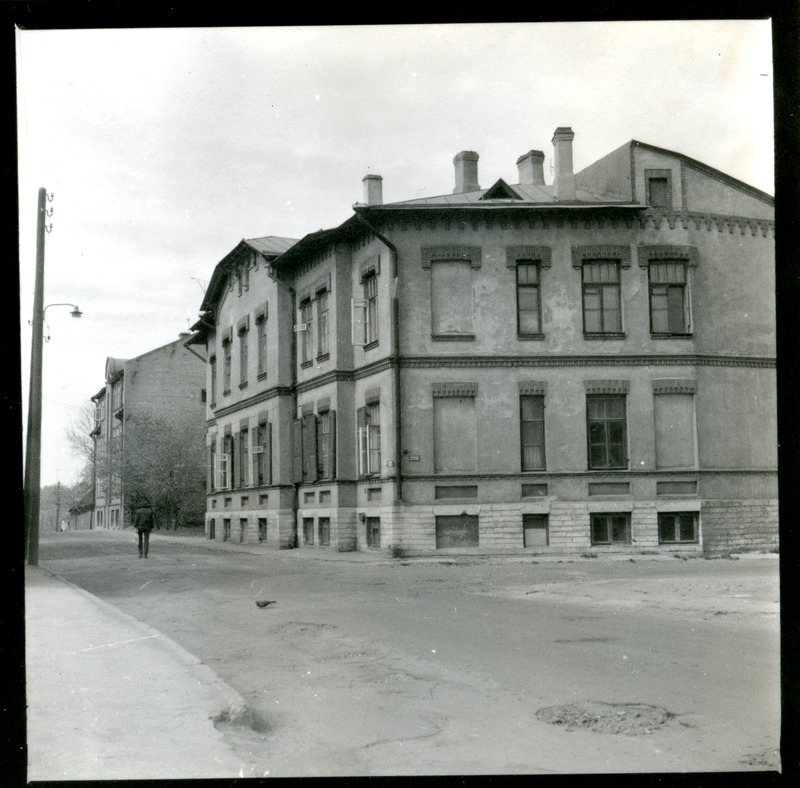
(587, 365)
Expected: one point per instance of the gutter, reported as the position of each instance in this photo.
(395, 355)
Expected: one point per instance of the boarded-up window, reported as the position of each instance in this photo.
(451, 297)
(459, 530)
(674, 427)
(454, 434)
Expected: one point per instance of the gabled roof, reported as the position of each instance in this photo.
(269, 246)
(501, 191)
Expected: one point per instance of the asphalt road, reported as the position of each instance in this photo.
(464, 667)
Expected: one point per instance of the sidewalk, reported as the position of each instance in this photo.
(111, 698)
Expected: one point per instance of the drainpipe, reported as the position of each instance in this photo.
(395, 354)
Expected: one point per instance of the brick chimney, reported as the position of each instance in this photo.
(564, 181)
(373, 189)
(466, 164)
(531, 168)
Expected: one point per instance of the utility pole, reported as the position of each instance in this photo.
(33, 445)
(58, 506)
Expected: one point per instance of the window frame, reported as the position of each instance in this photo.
(323, 325)
(370, 289)
(602, 288)
(226, 366)
(244, 347)
(684, 289)
(676, 526)
(306, 339)
(368, 440)
(522, 287)
(261, 346)
(609, 540)
(606, 421)
(539, 398)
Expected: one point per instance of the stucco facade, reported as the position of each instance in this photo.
(584, 366)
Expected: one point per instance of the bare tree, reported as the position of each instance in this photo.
(79, 433)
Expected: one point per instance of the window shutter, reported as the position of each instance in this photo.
(330, 471)
(267, 454)
(310, 447)
(362, 441)
(358, 309)
(297, 450)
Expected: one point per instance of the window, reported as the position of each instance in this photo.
(261, 451)
(607, 431)
(659, 188)
(459, 530)
(535, 530)
(324, 530)
(243, 348)
(532, 432)
(261, 350)
(308, 530)
(306, 332)
(369, 439)
(669, 313)
(673, 415)
(226, 530)
(371, 317)
(243, 457)
(455, 436)
(602, 312)
(226, 366)
(373, 531)
(212, 362)
(211, 528)
(451, 298)
(325, 445)
(611, 528)
(322, 324)
(676, 527)
(262, 529)
(529, 319)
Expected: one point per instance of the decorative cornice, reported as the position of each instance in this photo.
(451, 253)
(606, 386)
(542, 254)
(674, 386)
(454, 389)
(648, 252)
(586, 217)
(437, 362)
(535, 387)
(582, 254)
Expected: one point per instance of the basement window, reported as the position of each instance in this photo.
(677, 527)
(611, 529)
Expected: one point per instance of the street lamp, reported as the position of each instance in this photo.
(33, 443)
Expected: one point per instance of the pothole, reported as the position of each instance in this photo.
(631, 719)
(244, 718)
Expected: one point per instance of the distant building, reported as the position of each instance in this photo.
(582, 366)
(169, 383)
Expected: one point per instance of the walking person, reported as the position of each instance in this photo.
(143, 523)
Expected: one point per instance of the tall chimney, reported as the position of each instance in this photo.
(466, 164)
(531, 168)
(564, 182)
(373, 189)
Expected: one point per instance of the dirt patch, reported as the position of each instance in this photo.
(244, 718)
(632, 719)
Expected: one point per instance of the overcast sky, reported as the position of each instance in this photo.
(163, 148)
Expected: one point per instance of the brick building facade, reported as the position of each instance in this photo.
(169, 383)
(584, 366)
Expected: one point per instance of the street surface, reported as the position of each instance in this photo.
(468, 666)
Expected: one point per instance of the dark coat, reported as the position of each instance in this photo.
(144, 519)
